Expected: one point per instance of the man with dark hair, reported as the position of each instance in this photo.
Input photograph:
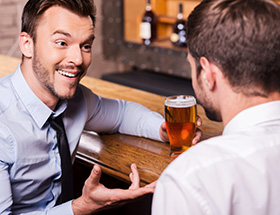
(234, 53)
(42, 100)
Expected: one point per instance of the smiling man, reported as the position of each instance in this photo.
(56, 42)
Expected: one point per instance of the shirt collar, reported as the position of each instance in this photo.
(61, 107)
(36, 108)
(253, 116)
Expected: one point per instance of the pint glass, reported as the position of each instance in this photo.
(180, 118)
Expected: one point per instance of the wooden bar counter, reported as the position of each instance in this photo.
(116, 152)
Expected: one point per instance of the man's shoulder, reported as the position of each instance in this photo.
(83, 100)
(83, 94)
(5, 83)
(82, 91)
(200, 155)
(6, 139)
(6, 93)
(224, 152)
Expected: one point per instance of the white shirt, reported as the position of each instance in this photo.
(236, 173)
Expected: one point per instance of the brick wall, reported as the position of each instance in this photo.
(10, 13)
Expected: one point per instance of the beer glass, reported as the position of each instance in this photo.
(180, 117)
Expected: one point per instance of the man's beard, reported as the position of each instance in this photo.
(207, 104)
(43, 75)
(212, 114)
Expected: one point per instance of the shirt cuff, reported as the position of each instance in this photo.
(65, 209)
(152, 131)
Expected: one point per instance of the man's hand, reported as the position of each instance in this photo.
(163, 133)
(198, 132)
(197, 136)
(96, 196)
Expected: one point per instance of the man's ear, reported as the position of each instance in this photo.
(207, 73)
(26, 44)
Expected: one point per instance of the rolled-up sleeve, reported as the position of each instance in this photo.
(65, 209)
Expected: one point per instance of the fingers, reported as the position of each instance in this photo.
(163, 132)
(124, 195)
(197, 136)
(135, 193)
(198, 121)
(149, 188)
(93, 179)
(134, 177)
(96, 196)
(152, 185)
(198, 132)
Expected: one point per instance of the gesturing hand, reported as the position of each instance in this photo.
(96, 196)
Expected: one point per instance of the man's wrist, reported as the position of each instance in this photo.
(80, 207)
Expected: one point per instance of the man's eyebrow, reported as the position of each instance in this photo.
(62, 32)
(90, 38)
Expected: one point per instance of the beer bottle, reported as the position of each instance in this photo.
(178, 36)
(148, 26)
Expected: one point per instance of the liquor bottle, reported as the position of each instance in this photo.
(178, 36)
(148, 26)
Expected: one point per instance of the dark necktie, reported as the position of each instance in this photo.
(66, 164)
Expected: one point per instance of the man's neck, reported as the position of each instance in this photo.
(238, 102)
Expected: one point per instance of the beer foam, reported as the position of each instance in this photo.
(180, 101)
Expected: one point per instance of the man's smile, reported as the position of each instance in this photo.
(68, 74)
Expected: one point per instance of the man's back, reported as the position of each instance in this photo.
(236, 173)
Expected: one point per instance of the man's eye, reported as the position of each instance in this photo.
(61, 43)
(86, 48)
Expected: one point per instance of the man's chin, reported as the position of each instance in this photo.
(66, 96)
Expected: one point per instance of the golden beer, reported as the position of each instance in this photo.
(180, 118)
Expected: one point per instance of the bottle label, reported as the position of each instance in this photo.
(145, 30)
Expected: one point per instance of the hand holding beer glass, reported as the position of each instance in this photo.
(180, 118)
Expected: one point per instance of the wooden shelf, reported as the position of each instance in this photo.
(126, 47)
(164, 19)
(166, 12)
(122, 44)
(163, 43)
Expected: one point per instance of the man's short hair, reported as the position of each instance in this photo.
(34, 9)
(241, 37)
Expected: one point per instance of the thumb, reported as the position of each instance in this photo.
(134, 177)
(95, 175)
(163, 132)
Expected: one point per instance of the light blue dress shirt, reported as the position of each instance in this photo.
(29, 158)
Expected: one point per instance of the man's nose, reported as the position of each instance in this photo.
(75, 55)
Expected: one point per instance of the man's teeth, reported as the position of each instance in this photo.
(67, 74)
